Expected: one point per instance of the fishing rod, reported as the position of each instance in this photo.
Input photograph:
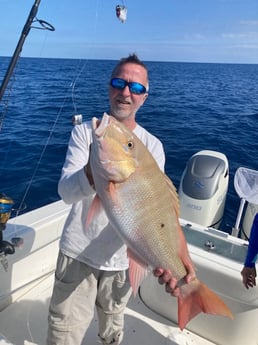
(6, 203)
(26, 29)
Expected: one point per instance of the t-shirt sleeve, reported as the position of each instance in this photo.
(73, 184)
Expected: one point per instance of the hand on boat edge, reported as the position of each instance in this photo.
(248, 276)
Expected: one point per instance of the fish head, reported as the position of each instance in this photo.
(114, 149)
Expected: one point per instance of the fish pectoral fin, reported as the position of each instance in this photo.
(199, 299)
(112, 191)
(138, 270)
(94, 210)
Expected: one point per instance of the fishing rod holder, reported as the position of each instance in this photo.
(6, 248)
(77, 119)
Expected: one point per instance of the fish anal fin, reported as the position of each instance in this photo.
(200, 299)
(94, 210)
(137, 271)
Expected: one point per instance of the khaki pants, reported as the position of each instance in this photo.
(77, 289)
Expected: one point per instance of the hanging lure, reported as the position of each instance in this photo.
(121, 13)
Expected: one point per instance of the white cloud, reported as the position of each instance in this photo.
(249, 22)
(242, 35)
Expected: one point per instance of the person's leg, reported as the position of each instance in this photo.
(114, 291)
(72, 304)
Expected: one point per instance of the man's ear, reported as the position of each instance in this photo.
(145, 97)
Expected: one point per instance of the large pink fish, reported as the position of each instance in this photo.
(142, 205)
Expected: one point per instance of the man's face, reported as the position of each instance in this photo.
(123, 103)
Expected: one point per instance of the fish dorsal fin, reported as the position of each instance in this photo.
(138, 270)
(173, 192)
(94, 210)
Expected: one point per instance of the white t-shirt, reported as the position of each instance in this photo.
(99, 247)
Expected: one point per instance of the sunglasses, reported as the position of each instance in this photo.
(134, 87)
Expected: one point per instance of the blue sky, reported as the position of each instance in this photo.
(164, 30)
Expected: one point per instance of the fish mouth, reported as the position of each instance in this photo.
(99, 126)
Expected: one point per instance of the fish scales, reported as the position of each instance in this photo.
(151, 219)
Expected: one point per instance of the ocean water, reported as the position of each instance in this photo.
(191, 107)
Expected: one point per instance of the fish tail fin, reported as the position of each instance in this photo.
(197, 300)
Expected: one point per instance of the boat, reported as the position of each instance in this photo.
(29, 245)
(27, 274)
(151, 318)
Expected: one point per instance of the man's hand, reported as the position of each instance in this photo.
(166, 277)
(248, 276)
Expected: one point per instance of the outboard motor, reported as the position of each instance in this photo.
(203, 188)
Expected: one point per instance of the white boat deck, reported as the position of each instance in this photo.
(26, 287)
(24, 322)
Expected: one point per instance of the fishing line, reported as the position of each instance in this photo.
(52, 130)
(72, 87)
(7, 97)
(44, 26)
(92, 45)
(73, 84)
(42, 154)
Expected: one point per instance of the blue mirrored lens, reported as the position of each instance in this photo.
(134, 87)
(137, 88)
(118, 83)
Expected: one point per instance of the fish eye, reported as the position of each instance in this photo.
(130, 144)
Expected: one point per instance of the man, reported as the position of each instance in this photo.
(92, 268)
